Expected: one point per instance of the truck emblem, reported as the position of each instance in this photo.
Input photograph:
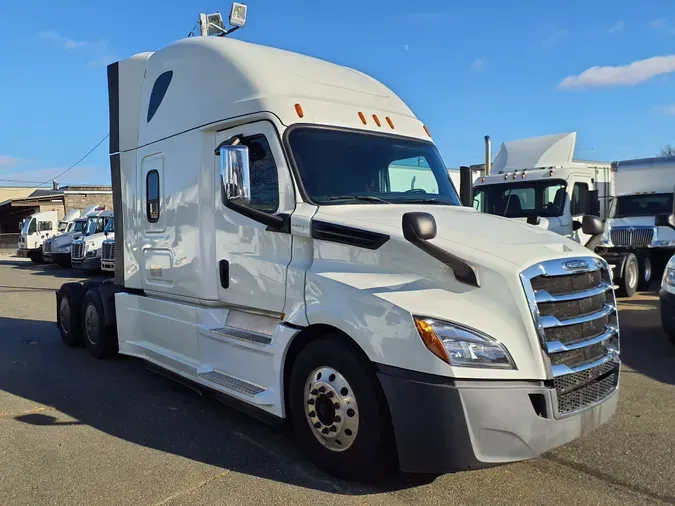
(575, 265)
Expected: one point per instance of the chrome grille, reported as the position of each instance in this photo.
(108, 251)
(77, 250)
(574, 310)
(636, 237)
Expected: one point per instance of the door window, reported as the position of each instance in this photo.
(32, 227)
(152, 196)
(579, 203)
(263, 174)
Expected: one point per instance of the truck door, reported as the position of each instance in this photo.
(253, 260)
(580, 204)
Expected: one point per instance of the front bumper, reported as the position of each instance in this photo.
(108, 265)
(667, 305)
(443, 425)
(87, 264)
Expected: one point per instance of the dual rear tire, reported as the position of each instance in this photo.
(81, 319)
(637, 275)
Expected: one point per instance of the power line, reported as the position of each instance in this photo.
(76, 163)
(18, 181)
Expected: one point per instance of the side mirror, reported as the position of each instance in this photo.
(592, 225)
(665, 220)
(576, 225)
(418, 226)
(234, 173)
(594, 202)
(533, 220)
(466, 186)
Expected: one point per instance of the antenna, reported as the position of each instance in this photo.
(212, 24)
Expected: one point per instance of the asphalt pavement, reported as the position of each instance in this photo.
(74, 430)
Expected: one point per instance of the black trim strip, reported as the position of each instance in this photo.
(114, 106)
(347, 235)
(418, 221)
(118, 216)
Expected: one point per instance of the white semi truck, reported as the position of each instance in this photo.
(108, 248)
(65, 226)
(538, 181)
(263, 255)
(85, 251)
(34, 231)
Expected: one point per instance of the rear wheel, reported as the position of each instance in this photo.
(100, 339)
(338, 411)
(645, 274)
(68, 304)
(629, 280)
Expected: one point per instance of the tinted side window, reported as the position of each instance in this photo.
(152, 196)
(263, 173)
(579, 199)
(159, 89)
(44, 225)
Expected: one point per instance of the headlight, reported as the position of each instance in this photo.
(462, 347)
(669, 277)
(663, 243)
(63, 248)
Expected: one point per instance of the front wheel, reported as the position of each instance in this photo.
(629, 280)
(339, 414)
(36, 256)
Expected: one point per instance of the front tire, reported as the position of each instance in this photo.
(36, 256)
(629, 280)
(100, 339)
(338, 411)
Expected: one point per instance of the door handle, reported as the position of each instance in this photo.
(224, 269)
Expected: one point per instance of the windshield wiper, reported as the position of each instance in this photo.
(366, 198)
(429, 200)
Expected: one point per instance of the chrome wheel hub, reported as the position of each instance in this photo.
(64, 315)
(647, 275)
(632, 274)
(331, 409)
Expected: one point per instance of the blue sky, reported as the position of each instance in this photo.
(489, 67)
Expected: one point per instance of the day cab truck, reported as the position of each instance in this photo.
(34, 230)
(607, 207)
(65, 226)
(261, 254)
(85, 252)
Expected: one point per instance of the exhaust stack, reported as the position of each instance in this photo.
(488, 155)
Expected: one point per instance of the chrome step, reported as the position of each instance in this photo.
(231, 383)
(243, 335)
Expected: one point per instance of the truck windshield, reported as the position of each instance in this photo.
(28, 226)
(95, 225)
(110, 226)
(63, 225)
(522, 199)
(340, 167)
(79, 226)
(642, 205)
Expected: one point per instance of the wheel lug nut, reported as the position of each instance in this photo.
(336, 405)
(333, 428)
(314, 392)
(317, 425)
(331, 395)
(325, 431)
(310, 402)
(322, 389)
(311, 414)
(337, 419)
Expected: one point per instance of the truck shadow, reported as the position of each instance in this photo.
(122, 398)
(50, 270)
(645, 347)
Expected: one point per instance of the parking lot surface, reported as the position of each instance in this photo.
(74, 430)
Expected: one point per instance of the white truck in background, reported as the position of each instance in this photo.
(59, 247)
(65, 226)
(108, 248)
(264, 254)
(85, 251)
(34, 230)
(608, 207)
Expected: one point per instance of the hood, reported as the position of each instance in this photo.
(635, 221)
(461, 230)
(66, 238)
